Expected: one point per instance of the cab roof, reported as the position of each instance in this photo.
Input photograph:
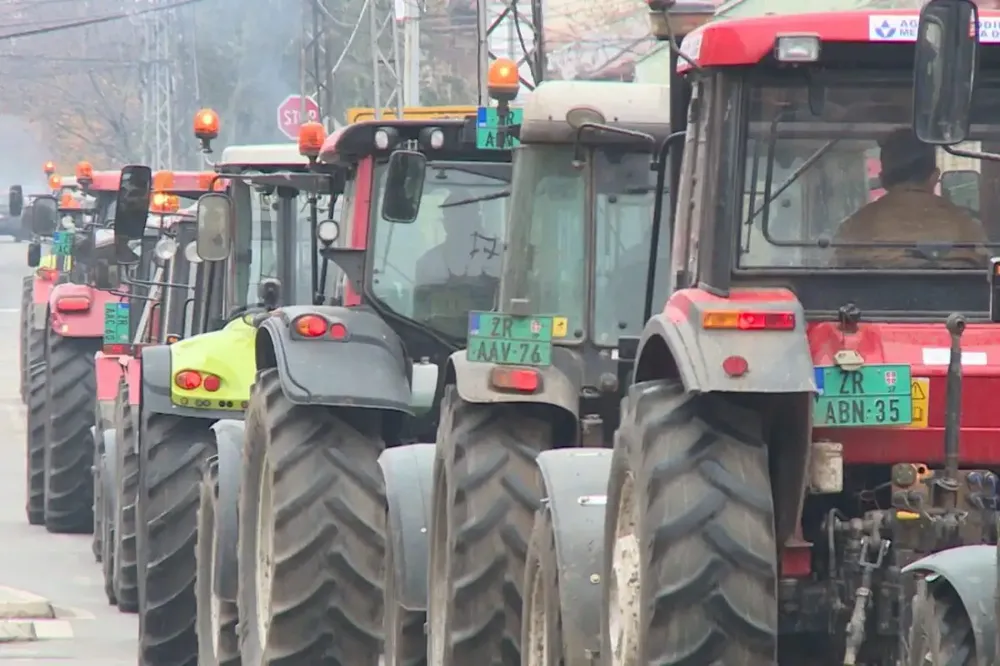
(740, 36)
(241, 158)
(355, 142)
(104, 181)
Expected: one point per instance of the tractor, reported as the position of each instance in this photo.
(161, 288)
(807, 415)
(540, 368)
(341, 381)
(277, 199)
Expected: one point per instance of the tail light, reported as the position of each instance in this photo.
(311, 326)
(116, 349)
(748, 321)
(189, 380)
(72, 304)
(522, 380)
(48, 274)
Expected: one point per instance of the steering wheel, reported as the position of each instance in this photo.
(938, 252)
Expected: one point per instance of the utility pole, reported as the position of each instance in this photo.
(511, 29)
(316, 57)
(411, 12)
(157, 84)
(387, 85)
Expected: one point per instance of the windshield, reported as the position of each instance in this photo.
(448, 261)
(255, 242)
(835, 179)
(302, 270)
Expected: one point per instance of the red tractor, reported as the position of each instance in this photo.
(808, 415)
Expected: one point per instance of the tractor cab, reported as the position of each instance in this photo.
(426, 259)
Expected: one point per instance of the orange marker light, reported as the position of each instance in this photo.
(84, 171)
(164, 203)
(163, 181)
(206, 124)
(55, 181)
(68, 202)
(311, 138)
(748, 321)
(503, 78)
(49, 168)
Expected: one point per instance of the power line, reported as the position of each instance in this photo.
(98, 20)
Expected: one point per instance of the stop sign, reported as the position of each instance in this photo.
(290, 115)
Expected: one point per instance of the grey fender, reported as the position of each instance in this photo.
(972, 571)
(560, 386)
(109, 468)
(576, 485)
(229, 464)
(778, 361)
(369, 369)
(408, 472)
(156, 377)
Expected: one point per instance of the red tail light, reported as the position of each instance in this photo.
(523, 380)
(48, 274)
(748, 321)
(212, 383)
(311, 326)
(338, 331)
(188, 380)
(116, 350)
(72, 304)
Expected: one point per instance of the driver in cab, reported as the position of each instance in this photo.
(468, 250)
(910, 212)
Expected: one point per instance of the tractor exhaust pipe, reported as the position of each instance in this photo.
(953, 407)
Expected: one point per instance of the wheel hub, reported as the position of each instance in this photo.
(265, 554)
(623, 614)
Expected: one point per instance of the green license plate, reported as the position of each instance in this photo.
(62, 243)
(508, 340)
(116, 328)
(873, 395)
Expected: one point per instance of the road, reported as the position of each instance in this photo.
(60, 568)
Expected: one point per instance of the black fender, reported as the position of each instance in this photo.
(560, 386)
(229, 464)
(156, 377)
(972, 571)
(408, 472)
(109, 469)
(676, 337)
(575, 483)
(368, 369)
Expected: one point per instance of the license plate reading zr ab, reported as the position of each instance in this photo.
(872, 395)
(508, 340)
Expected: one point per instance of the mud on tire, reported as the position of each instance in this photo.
(327, 508)
(125, 573)
(224, 634)
(35, 438)
(689, 509)
(941, 633)
(173, 450)
(484, 506)
(71, 388)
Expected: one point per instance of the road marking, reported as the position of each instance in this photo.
(18, 604)
(24, 631)
(10, 310)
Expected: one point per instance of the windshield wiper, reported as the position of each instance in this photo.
(486, 197)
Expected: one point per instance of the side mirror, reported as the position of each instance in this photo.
(34, 254)
(215, 211)
(132, 204)
(106, 277)
(404, 186)
(944, 71)
(15, 200)
(44, 215)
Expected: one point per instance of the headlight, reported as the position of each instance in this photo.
(165, 249)
(381, 139)
(191, 253)
(67, 223)
(88, 219)
(327, 231)
(437, 139)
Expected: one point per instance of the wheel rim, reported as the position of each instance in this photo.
(439, 608)
(624, 586)
(215, 605)
(537, 648)
(265, 553)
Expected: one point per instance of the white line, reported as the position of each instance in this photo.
(9, 310)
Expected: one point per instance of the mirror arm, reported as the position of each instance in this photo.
(974, 154)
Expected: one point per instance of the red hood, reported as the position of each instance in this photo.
(925, 348)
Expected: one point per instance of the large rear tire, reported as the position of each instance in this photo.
(941, 634)
(71, 389)
(483, 509)
(690, 564)
(172, 452)
(312, 507)
(218, 642)
(125, 575)
(35, 436)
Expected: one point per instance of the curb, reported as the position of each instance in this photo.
(18, 605)
(28, 617)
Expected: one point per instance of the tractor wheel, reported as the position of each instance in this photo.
(107, 527)
(36, 417)
(541, 633)
(690, 562)
(173, 451)
(312, 533)
(125, 570)
(218, 643)
(71, 389)
(483, 509)
(100, 512)
(405, 638)
(941, 634)
(27, 290)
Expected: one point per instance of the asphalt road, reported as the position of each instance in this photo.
(60, 568)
